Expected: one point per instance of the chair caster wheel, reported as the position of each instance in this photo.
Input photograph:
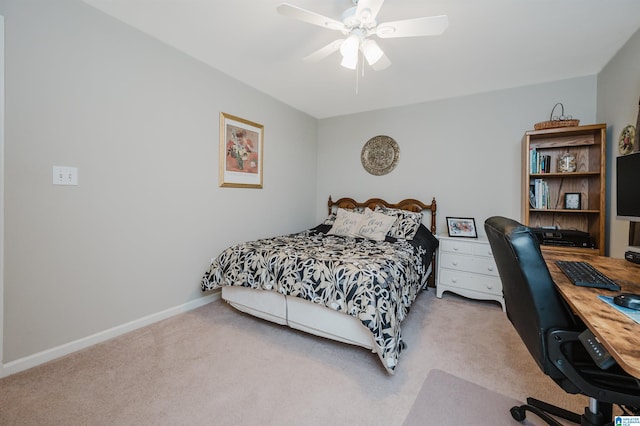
(518, 413)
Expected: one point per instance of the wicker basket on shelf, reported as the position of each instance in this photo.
(557, 121)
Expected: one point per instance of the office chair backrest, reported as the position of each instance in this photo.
(532, 301)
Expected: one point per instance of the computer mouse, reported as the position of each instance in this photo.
(628, 300)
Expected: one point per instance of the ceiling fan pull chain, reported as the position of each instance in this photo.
(357, 81)
(360, 64)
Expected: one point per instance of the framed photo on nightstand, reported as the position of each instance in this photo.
(572, 200)
(462, 227)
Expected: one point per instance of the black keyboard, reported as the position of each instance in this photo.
(585, 275)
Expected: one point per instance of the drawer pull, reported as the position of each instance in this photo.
(490, 268)
(456, 249)
(489, 286)
(454, 280)
(454, 263)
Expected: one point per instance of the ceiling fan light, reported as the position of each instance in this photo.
(372, 51)
(350, 61)
(350, 46)
(349, 51)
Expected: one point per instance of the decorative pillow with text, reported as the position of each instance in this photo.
(347, 223)
(374, 225)
(332, 217)
(406, 223)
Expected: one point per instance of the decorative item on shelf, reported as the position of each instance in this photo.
(572, 200)
(380, 155)
(567, 163)
(557, 120)
(626, 140)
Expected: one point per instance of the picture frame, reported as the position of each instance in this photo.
(572, 200)
(462, 227)
(241, 149)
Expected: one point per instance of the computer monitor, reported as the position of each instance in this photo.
(628, 197)
(628, 187)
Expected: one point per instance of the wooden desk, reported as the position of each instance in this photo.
(617, 332)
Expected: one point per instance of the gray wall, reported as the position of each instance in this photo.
(140, 121)
(464, 151)
(618, 92)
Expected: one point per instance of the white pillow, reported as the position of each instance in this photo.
(406, 224)
(374, 225)
(346, 224)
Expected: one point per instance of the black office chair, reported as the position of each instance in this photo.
(550, 331)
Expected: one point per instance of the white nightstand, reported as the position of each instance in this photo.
(466, 267)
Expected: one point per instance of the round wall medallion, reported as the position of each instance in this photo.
(380, 155)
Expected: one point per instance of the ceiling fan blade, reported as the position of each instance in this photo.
(367, 10)
(382, 63)
(325, 51)
(309, 17)
(426, 26)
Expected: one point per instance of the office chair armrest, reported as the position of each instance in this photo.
(557, 343)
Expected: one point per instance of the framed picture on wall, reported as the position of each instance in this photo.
(241, 146)
(462, 227)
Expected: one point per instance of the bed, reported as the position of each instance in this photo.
(351, 279)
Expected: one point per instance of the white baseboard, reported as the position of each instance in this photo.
(62, 350)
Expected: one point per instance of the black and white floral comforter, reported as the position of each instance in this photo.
(375, 282)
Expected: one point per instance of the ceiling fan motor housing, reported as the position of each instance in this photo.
(352, 22)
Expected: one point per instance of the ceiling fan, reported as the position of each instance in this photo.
(357, 24)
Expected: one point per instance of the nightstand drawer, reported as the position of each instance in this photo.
(462, 247)
(466, 281)
(466, 247)
(478, 265)
(483, 250)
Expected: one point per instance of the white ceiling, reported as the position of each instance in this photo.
(489, 45)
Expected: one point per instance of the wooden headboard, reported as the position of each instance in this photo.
(409, 204)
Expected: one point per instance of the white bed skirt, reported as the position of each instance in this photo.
(299, 314)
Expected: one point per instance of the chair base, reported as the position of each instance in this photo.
(597, 414)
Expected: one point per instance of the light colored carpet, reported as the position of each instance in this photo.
(216, 366)
(471, 405)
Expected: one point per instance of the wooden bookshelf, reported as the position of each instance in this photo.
(588, 145)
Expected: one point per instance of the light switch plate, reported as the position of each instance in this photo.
(63, 175)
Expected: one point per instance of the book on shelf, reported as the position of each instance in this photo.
(546, 164)
(533, 159)
(539, 194)
(539, 163)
